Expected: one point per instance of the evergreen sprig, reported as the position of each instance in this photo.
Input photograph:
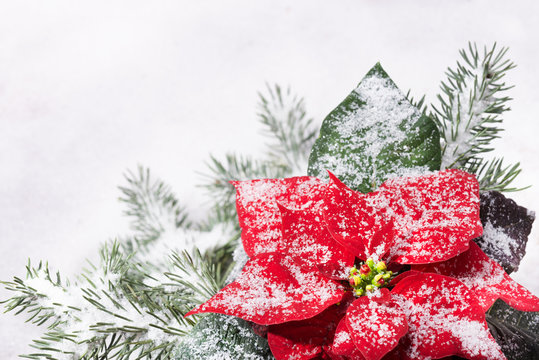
(290, 130)
(469, 114)
(151, 205)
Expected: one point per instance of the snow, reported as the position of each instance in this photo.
(88, 90)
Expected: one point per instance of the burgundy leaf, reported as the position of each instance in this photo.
(506, 227)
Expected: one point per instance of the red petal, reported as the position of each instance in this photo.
(308, 338)
(343, 343)
(434, 215)
(444, 318)
(486, 278)
(273, 289)
(375, 326)
(258, 214)
(354, 223)
(404, 275)
(305, 236)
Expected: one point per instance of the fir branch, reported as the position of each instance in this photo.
(286, 123)
(201, 277)
(104, 315)
(472, 100)
(494, 175)
(151, 205)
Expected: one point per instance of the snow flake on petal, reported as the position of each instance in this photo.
(375, 326)
(343, 343)
(444, 318)
(273, 289)
(486, 278)
(305, 236)
(258, 214)
(434, 215)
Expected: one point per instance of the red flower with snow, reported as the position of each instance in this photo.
(304, 237)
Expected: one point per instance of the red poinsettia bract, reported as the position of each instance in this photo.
(303, 236)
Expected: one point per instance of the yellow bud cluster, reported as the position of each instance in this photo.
(369, 276)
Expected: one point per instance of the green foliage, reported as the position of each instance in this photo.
(132, 304)
(470, 112)
(494, 175)
(373, 134)
(287, 125)
(105, 314)
(151, 205)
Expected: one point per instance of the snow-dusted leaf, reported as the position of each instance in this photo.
(375, 326)
(221, 337)
(259, 215)
(354, 223)
(309, 338)
(273, 289)
(374, 134)
(486, 278)
(506, 227)
(517, 332)
(444, 319)
(434, 216)
(306, 236)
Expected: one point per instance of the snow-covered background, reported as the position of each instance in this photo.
(90, 89)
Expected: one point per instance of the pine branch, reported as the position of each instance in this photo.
(471, 103)
(286, 123)
(106, 314)
(152, 206)
(494, 175)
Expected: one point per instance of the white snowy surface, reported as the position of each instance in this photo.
(90, 89)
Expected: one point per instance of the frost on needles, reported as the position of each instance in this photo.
(469, 115)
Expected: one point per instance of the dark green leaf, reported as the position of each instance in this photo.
(506, 227)
(374, 134)
(517, 332)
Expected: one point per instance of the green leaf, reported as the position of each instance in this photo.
(374, 134)
(517, 332)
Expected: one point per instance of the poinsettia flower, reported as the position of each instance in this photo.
(303, 237)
